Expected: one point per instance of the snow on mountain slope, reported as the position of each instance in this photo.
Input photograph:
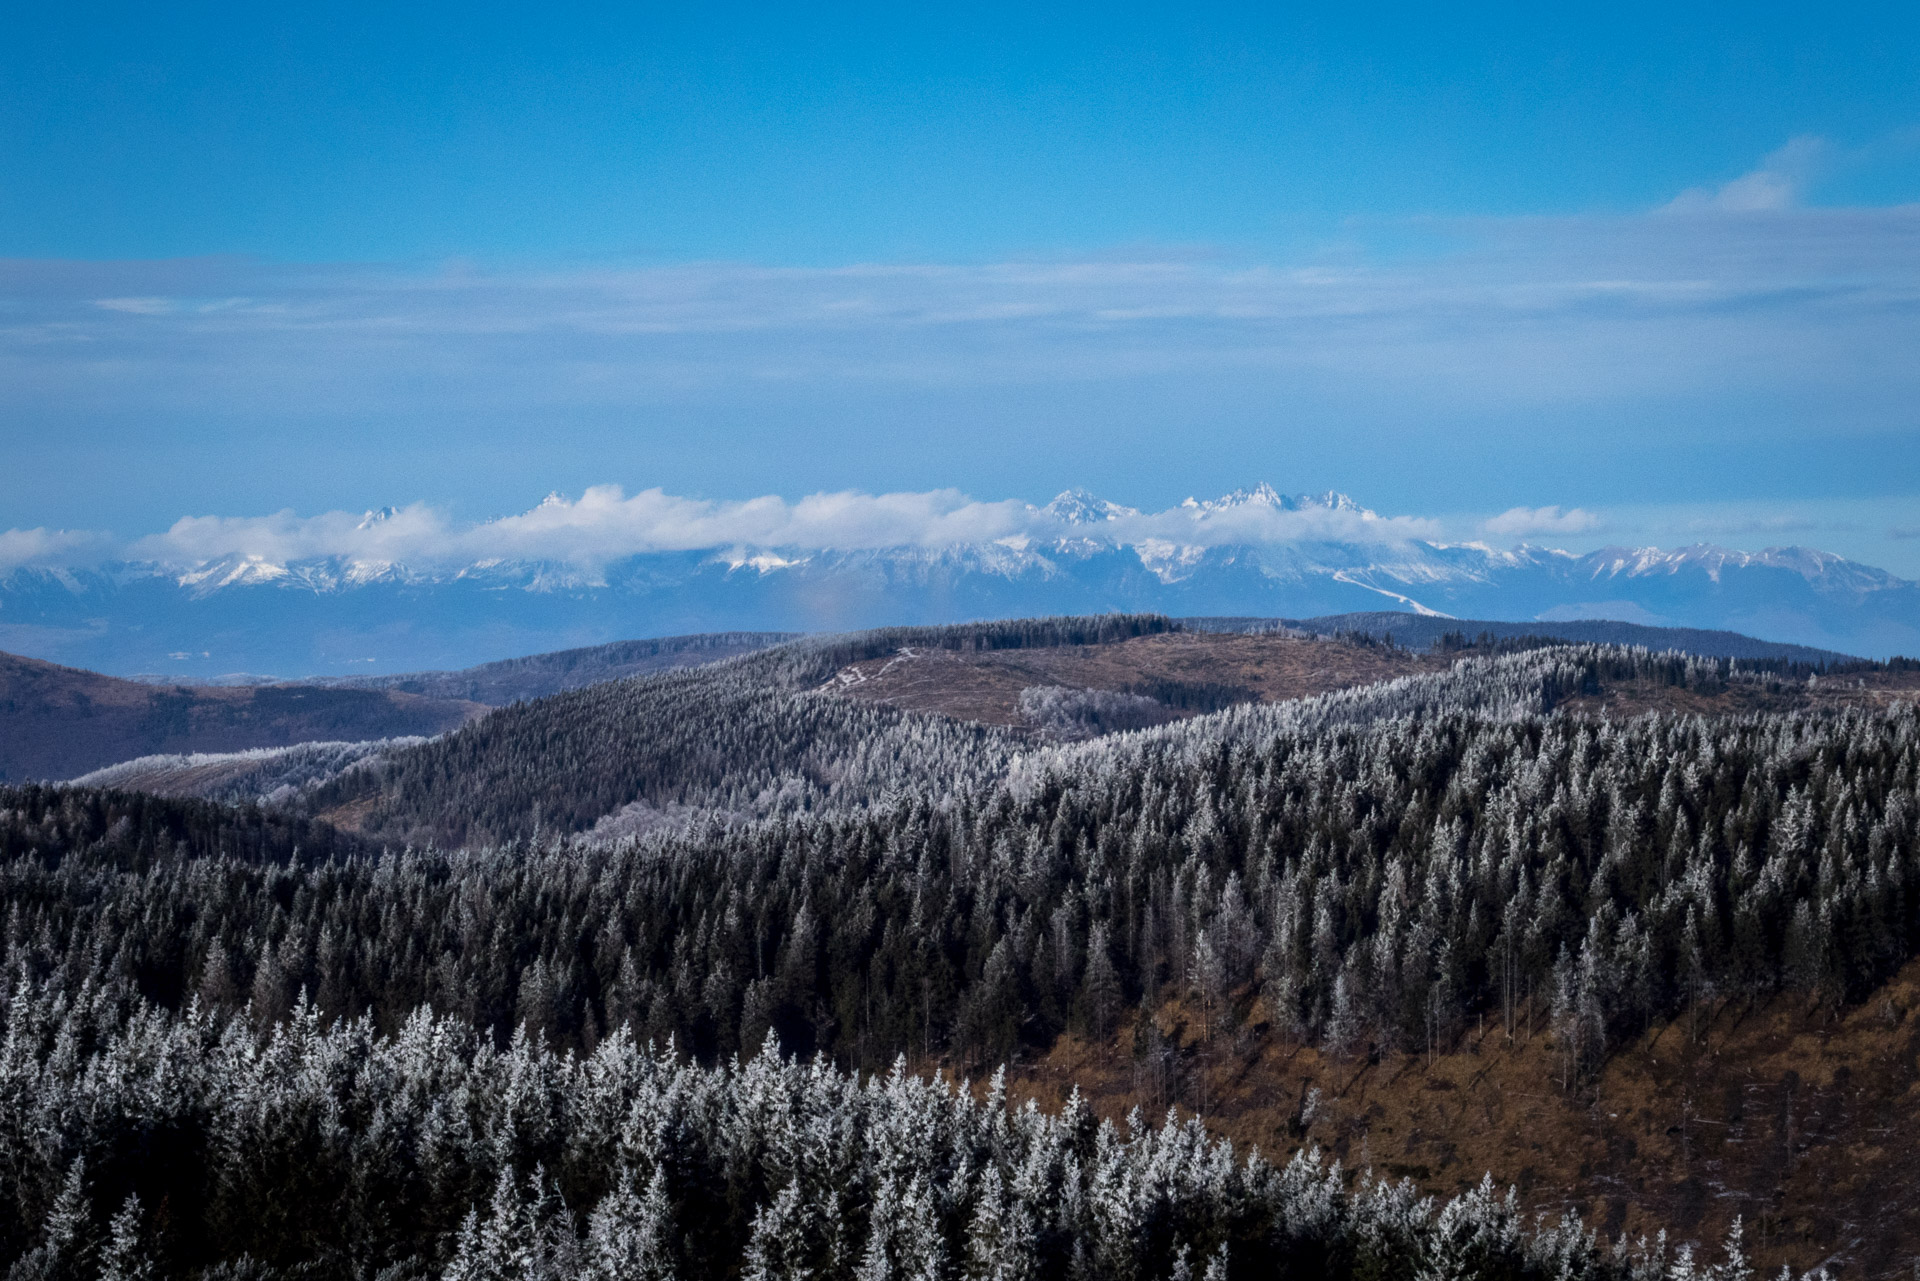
(1078, 507)
(1252, 552)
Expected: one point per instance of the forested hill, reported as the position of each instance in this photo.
(1369, 873)
(744, 737)
(827, 720)
(537, 675)
(1419, 631)
(235, 1041)
(133, 832)
(1371, 867)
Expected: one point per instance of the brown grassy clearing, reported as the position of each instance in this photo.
(1800, 1118)
(985, 686)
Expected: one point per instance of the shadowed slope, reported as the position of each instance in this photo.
(57, 722)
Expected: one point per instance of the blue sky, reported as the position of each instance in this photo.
(1660, 264)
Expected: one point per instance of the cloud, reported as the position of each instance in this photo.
(1521, 522)
(605, 524)
(602, 524)
(1509, 313)
(53, 548)
(1779, 183)
(135, 306)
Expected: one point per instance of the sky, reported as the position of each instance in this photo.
(1658, 266)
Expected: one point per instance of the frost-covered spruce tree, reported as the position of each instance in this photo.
(66, 1246)
(123, 1255)
(630, 1234)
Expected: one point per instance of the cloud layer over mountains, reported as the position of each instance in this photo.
(604, 524)
(413, 588)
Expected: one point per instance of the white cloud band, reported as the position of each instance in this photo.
(1522, 522)
(605, 524)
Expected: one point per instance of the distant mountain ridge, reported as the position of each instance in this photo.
(1251, 552)
(1421, 631)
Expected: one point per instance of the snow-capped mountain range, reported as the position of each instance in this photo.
(1253, 552)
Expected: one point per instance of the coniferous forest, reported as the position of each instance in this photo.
(464, 1035)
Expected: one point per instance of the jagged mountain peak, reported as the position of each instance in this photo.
(236, 570)
(1817, 567)
(1083, 507)
(1261, 495)
(1332, 499)
(1265, 495)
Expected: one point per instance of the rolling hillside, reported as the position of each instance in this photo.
(512, 680)
(1656, 971)
(59, 722)
(1443, 915)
